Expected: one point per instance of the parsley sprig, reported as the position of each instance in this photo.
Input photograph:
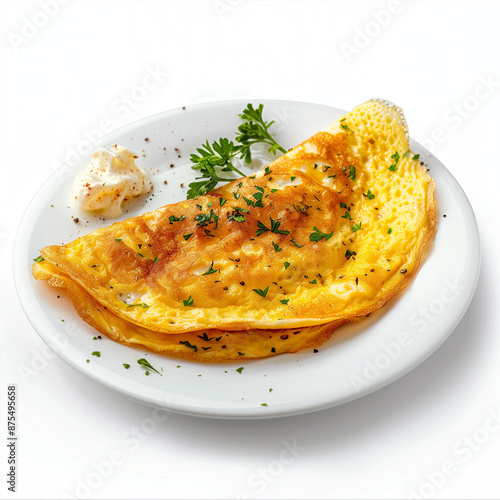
(212, 160)
(253, 130)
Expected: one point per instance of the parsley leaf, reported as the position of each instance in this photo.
(349, 254)
(352, 173)
(145, 362)
(395, 157)
(317, 235)
(210, 270)
(275, 224)
(236, 216)
(260, 292)
(188, 302)
(203, 220)
(187, 344)
(173, 218)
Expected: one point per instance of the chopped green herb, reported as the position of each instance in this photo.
(222, 201)
(39, 259)
(347, 215)
(118, 239)
(126, 366)
(313, 282)
(263, 404)
(188, 302)
(317, 235)
(352, 173)
(203, 220)
(187, 236)
(356, 227)
(395, 157)
(369, 195)
(210, 270)
(416, 157)
(240, 369)
(287, 265)
(173, 218)
(97, 354)
(349, 254)
(145, 362)
(249, 202)
(187, 344)
(236, 216)
(275, 224)
(294, 243)
(285, 301)
(276, 247)
(302, 208)
(139, 304)
(389, 231)
(260, 292)
(345, 127)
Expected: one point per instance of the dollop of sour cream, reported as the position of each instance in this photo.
(111, 178)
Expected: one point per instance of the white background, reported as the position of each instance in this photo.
(67, 69)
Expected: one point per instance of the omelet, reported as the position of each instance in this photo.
(206, 345)
(325, 234)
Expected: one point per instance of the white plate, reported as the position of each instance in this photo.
(360, 358)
